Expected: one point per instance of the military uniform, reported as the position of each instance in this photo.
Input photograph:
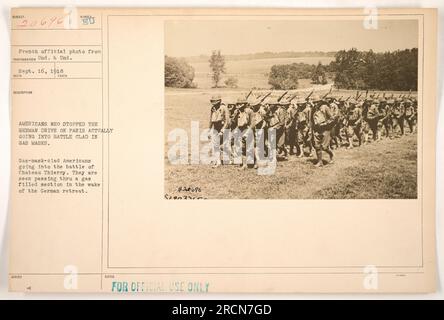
(219, 121)
(365, 125)
(258, 122)
(244, 120)
(336, 128)
(415, 107)
(398, 116)
(233, 116)
(304, 127)
(259, 117)
(277, 122)
(291, 130)
(410, 115)
(354, 123)
(219, 118)
(322, 121)
(373, 119)
(386, 117)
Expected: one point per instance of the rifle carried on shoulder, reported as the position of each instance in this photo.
(249, 94)
(291, 99)
(283, 95)
(265, 97)
(325, 96)
(309, 95)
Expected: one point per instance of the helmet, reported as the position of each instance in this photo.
(241, 101)
(273, 101)
(216, 98)
(315, 98)
(300, 100)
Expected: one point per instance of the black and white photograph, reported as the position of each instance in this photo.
(291, 109)
(228, 151)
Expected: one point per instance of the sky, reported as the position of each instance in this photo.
(194, 37)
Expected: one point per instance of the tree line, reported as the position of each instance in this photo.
(178, 73)
(264, 55)
(397, 70)
(286, 76)
(351, 69)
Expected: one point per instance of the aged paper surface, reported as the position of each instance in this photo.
(115, 187)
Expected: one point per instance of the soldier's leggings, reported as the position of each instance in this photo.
(411, 122)
(336, 134)
(217, 126)
(387, 124)
(398, 122)
(280, 141)
(321, 140)
(291, 138)
(305, 134)
(354, 129)
(374, 128)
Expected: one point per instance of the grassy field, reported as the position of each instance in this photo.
(381, 170)
(250, 73)
(385, 169)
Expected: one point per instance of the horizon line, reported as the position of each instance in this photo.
(280, 52)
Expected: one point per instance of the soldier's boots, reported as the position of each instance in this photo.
(217, 163)
(364, 139)
(244, 165)
(350, 143)
(319, 162)
(330, 153)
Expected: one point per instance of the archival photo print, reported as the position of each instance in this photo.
(291, 109)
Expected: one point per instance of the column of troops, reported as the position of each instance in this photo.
(319, 123)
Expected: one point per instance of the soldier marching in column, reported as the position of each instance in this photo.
(311, 122)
